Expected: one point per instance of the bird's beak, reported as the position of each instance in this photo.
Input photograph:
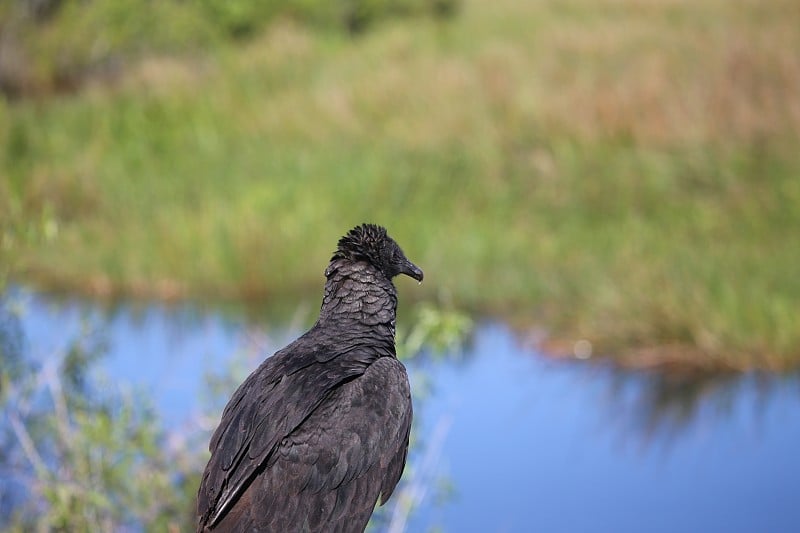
(412, 270)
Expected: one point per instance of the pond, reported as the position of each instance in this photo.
(511, 441)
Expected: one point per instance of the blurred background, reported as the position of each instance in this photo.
(604, 196)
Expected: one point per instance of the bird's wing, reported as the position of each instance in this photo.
(366, 422)
(329, 472)
(267, 407)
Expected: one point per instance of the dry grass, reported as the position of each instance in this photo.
(673, 73)
(667, 73)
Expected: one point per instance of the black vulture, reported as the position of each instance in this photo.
(319, 431)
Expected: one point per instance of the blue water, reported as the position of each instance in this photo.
(524, 443)
(540, 446)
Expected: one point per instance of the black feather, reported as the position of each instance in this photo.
(315, 436)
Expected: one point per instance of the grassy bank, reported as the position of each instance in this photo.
(620, 171)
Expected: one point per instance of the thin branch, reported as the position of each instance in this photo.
(28, 445)
(417, 489)
(60, 404)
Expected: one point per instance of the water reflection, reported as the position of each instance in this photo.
(515, 441)
(661, 407)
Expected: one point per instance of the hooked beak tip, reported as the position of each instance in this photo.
(414, 271)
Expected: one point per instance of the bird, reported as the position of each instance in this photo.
(319, 432)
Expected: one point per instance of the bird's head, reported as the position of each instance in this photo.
(371, 243)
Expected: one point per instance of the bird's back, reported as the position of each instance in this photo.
(327, 475)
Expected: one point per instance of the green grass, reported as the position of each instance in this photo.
(619, 171)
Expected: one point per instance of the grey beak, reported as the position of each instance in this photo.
(412, 270)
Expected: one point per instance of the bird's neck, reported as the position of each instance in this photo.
(359, 294)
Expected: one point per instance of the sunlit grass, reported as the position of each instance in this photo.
(623, 171)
